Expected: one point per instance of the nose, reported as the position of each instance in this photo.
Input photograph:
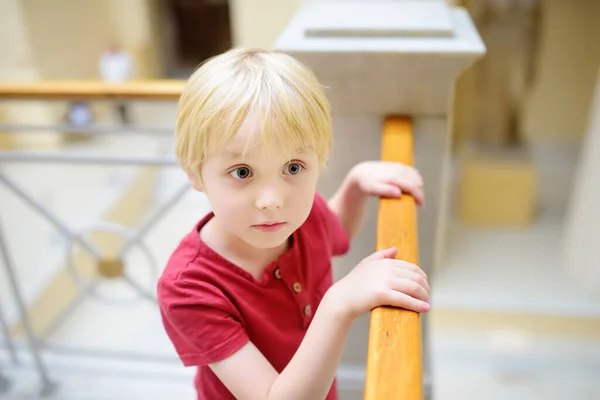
(269, 199)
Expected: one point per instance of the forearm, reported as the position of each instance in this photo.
(349, 204)
(310, 373)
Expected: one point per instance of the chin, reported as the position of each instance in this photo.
(269, 242)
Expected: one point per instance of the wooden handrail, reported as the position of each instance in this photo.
(92, 90)
(394, 363)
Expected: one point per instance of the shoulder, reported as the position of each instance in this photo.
(315, 223)
(199, 316)
(191, 275)
(327, 224)
(320, 203)
(320, 210)
(186, 255)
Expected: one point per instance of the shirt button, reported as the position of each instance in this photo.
(277, 273)
(307, 310)
(297, 287)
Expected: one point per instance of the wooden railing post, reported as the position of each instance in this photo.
(394, 362)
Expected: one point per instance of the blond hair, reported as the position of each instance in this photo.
(283, 93)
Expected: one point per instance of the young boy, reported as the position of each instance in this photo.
(247, 296)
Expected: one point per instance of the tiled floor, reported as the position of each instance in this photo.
(464, 368)
(513, 270)
(518, 269)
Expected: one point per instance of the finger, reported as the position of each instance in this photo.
(412, 174)
(419, 196)
(381, 254)
(420, 279)
(410, 186)
(404, 265)
(409, 174)
(383, 189)
(402, 300)
(416, 176)
(410, 287)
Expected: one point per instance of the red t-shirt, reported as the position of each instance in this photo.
(211, 308)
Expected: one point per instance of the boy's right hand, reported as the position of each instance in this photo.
(381, 280)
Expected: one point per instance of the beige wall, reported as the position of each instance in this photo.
(19, 62)
(581, 255)
(568, 58)
(138, 29)
(258, 23)
(68, 36)
(16, 56)
(63, 40)
(558, 100)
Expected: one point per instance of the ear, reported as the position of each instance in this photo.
(195, 181)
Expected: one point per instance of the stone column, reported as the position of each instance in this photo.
(380, 58)
(18, 63)
(582, 243)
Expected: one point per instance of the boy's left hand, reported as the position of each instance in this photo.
(388, 179)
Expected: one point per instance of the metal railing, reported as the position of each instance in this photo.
(107, 266)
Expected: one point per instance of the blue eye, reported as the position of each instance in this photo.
(240, 173)
(293, 169)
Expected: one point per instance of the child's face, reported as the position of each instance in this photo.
(262, 197)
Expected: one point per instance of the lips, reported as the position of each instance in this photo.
(269, 226)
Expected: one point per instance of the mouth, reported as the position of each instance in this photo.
(269, 226)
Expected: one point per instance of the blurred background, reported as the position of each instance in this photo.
(92, 202)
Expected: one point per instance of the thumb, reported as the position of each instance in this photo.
(381, 254)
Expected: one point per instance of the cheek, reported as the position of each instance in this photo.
(226, 200)
(303, 194)
(230, 209)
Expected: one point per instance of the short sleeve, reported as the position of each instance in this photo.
(200, 322)
(338, 239)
